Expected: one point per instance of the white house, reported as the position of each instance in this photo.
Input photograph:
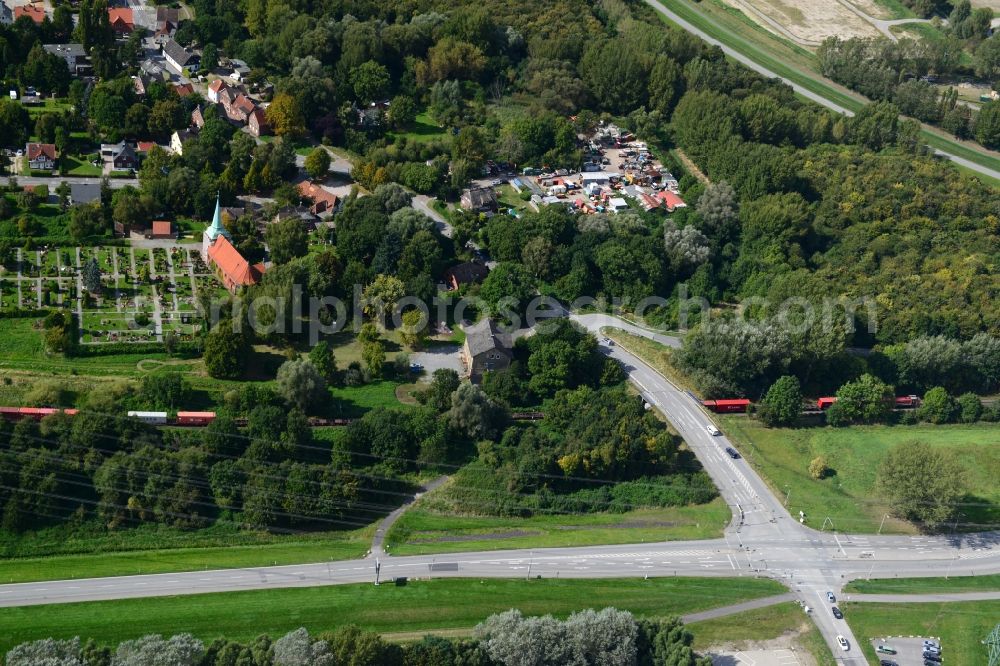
(6, 14)
(617, 204)
(178, 58)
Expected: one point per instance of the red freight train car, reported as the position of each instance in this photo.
(907, 402)
(824, 403)
(195, 418)
(731, 406)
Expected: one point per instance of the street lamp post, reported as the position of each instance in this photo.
(884, 516)
(788, 493)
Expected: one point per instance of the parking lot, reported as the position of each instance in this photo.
(909, 650)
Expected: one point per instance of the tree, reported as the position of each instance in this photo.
(393, 197)
(370, 82)
(209, 57)
(783, 402)
(819, 468)
(381, 296)
(402, 111)
(509, 285)
(938, 406)
(718, 206)
(300, 383)
(866, 399)
(970, 408)
(286, 240)
(686, 247)
(323, 358)
(226, 351)
(165, 391)
(46, 651)
(317, 162)
(987, 58)
(63, 191)
(414, 329)
(988, 125)
(153, 650)
(92, 276)
(922, 483)
(474, 414)
(373, 354)
(284, 115)
(444, 382)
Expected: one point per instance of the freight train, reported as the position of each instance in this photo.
(189, 419)
(741, 405)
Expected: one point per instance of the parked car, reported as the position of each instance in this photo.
(712, 430)
(844, 645)
(416, 367)
(836, 613)
(886, 662)
(832, 599)
(932, 644)
(733, 453)
(885, 649)
(932, 657)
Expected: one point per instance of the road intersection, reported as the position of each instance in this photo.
(763, 540)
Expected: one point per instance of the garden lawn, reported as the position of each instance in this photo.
(422, 531)
(741, 630)
(418, 606)
(423, 128)
(74, 166)
(925, 585)
(848, 497)
(960, 626)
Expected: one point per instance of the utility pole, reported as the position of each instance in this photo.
(788, 494)
(378, 569)
(530, 558)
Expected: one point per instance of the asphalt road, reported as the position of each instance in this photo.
(762, 540)
(819, 99)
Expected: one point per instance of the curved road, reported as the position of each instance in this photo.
(763, 540)
(819, 99)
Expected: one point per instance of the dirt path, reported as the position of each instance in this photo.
(690, 166)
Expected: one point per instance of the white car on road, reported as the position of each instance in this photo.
(843, 643)
(712, 430)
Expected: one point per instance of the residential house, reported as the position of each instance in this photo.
(479, 199)
(257, 122)
(84, 193)
(302, 213)
(153, 69)
(74, 55)
(486, 349)
(184, 89)
(178, 138)
(142, 148)
(239, 109)
(167, 19)
(34, 11)
(179, 58)
(6, 15)
(218, 251)
(469, 272)
(41, 156)
(323, 202)
(617, 205)
(198, 116)
(140, 84)
(122, 21)
(119, 156)
(214, 88)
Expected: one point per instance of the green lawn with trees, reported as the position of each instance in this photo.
(848, 491)
(424, 605)
(960, 626)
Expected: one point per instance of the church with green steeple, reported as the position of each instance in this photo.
(213, 231)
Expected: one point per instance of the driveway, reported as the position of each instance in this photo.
(437, 357)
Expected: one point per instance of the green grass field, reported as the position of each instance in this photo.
(305, 549)
(740, 631)
(925, 585)
(848, 497)
(961, 626)
(423, 531)
(423, 128)
(75, 166)
(419, 606)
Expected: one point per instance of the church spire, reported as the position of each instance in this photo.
(216, 228)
